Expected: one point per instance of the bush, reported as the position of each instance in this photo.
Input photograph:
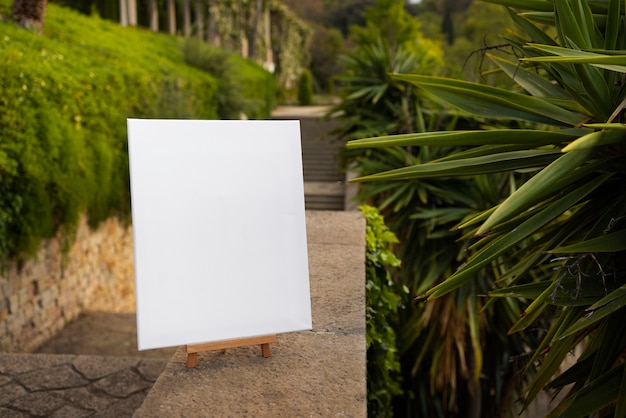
(244, 87)
(305, 88)
(258, 86)
(64, 101)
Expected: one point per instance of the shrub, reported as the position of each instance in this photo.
(305, 88)
(458, 372)
(383, 298)
(258, 86)
(244, 87)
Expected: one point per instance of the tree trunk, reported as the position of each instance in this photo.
(255, 29)
(212, 36)
(186, 19)
(200, 19)
(124, 12)
(30, 13)
(132, 12)
(153, 12)
(171, 17)
(267, 35)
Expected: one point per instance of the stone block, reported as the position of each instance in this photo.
(122, 384)
(92, 370)
(58, 377)
(37, 403)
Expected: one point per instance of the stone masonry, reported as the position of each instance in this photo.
(52, 289)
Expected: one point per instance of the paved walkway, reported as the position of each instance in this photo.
(66, 386)
(92, 368)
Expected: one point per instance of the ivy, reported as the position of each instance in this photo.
(383, 298)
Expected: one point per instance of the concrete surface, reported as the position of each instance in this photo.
(317, 373)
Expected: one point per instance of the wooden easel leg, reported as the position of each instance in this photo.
(265, 350)
(264, 341)
(192, 360)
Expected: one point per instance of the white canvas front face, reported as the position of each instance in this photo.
(219, 230)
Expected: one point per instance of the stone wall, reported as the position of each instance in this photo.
(52, 289)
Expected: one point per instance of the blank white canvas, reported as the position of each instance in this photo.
(219, 230)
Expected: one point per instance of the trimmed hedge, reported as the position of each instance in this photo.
(64, 100)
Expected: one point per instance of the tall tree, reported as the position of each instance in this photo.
(255, 29)
(200, 19)
(30, 13)
(186, 18)
(132, 12)
(153, 13)
(171, 17)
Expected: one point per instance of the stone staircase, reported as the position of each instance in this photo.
(324, 180)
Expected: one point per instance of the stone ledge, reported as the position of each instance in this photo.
(324, 188)
(312, 373)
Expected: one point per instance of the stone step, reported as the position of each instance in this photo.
(320, 159)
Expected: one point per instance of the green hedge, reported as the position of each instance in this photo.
(244, 87)
(258, 86)
(64, 100)
(305, 88)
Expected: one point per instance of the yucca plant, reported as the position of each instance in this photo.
(441, 344)
(557, 242)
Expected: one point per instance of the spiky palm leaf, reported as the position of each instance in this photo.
(563, 229)
(447, 371)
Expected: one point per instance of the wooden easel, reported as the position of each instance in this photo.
(264, 341)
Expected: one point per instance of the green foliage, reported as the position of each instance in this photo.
(290, 44)
(468, 30)
(64, 101)
(345, 14)
(235, 26)
(440, 369)
(257, 85)
(243, 86)
(305, 88)
(372, 103)
(465, 57)
(326, 48)
(556, 241)
(383, 299)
